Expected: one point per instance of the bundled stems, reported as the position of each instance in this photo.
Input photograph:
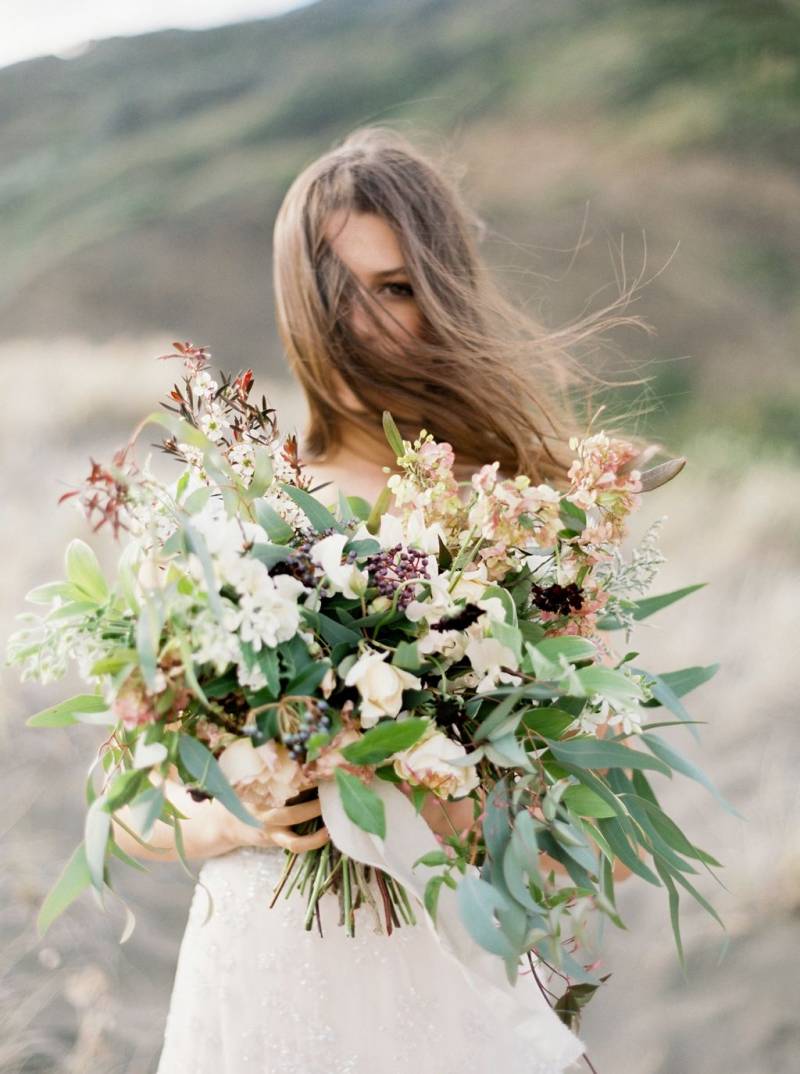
(328, 867)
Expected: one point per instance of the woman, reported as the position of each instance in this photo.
(382, 303)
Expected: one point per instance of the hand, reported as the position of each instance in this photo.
(436, 811)
(275, 829)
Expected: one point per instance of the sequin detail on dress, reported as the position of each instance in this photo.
(255, 993)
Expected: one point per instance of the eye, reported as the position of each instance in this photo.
(401, 290)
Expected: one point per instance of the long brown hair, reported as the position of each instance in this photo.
(483, 375)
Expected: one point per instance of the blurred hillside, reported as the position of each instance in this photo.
(139, 181)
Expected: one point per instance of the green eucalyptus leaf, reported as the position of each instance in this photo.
(73, 879)
(361, 804)
(392, 434)
(614, 834)
(379, 509)
(670, 756)
(50, 591)
(317, 514)
(641, 609)
(477, 901)
(360, 507)
(507, 752)
(517, 863)
(614, 685)
(498, 715)
(124, 788)
(274, 525)
(145, 810)
(197, 500)
(336, 633)
(431, 895)
(571, 648)
(433, 857)
(195, 542)
(496, 820)
(587, 803)
(589, 752)
(95, 838)
(262, 472)
(66, 712)
(683, 681)
(385, 739)
(674, 909)
(202, 765)
(83, 571)
(547, 722)
(306, 681)
(148, 637)
(406, 656)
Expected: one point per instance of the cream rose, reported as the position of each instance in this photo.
(427, 763)
(263, 776)
(380, 685)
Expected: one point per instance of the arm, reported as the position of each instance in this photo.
(210, 829)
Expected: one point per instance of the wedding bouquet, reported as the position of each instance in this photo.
(261, 647)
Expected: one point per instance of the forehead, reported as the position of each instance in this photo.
(364, 242)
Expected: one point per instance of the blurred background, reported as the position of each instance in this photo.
(602, 143)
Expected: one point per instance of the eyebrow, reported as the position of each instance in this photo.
(390, 272)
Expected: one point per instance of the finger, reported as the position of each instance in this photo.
(293, 814)
(298, 843)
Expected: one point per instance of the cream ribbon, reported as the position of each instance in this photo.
(408, 837)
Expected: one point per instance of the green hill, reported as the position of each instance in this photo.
(139, 181)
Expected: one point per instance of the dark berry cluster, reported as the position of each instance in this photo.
(299, 565)
(387, 569)
(197, 794)
(561, 599)
(468, 615)
(314, 719)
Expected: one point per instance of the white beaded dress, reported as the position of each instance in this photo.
(255, 993)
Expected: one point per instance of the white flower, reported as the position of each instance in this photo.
(215, 642)
(451, 644)
(441, 602)
(493, 607)
(203, 384)
(426, 763)
(214, 424)
(345, 578)
(146, 754)
(629, 719)
(151, 574)
(593, 716)
(487, 656)
(408, 532)
(380, 685)
(328, 683)
(193, 455)
(268, 609)
(241, 459)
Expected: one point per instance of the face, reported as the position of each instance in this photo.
(366, 244)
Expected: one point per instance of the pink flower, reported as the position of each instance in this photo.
(486, 478)
(132, 705)
(436, 460)
(263, 776)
